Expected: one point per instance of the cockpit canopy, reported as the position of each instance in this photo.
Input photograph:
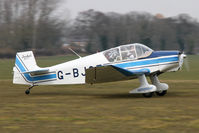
(127, 52)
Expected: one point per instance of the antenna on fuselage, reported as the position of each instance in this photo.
(75, 52)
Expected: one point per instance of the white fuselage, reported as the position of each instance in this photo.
(73, 72)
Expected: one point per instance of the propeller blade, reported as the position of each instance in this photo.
(186, 64)
(181, 59)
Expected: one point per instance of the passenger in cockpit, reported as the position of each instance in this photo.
(131, 53)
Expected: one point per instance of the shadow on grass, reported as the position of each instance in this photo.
(107, 96)
(100, 95)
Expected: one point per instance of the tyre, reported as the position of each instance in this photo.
(162, 93)
(27, 92)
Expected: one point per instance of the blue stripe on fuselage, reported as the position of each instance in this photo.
(147, 62)
(155, 54)
(31, 79)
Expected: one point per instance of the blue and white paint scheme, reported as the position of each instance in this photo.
(120, 63)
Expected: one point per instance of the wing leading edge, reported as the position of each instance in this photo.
(112, 73)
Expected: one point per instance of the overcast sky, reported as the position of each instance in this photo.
(166, 7)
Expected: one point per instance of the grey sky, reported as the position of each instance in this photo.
(166, 7)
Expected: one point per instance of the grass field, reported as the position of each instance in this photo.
(101, 108)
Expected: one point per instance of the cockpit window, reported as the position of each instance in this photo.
(113, 55)
(143, 51)
(139, 51)
(127, 52)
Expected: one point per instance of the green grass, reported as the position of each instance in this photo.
(98, 108)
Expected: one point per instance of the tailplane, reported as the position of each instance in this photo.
(24, 62)
(27, 72)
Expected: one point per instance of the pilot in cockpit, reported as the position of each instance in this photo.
(131, 53)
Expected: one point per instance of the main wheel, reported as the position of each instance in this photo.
(148, 95)
(27, 92)
(162, 93)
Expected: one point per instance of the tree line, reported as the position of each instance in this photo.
(106, 30)
(29, 25)
(37, 25)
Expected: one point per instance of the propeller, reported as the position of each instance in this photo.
(186, 64)
(182, 59)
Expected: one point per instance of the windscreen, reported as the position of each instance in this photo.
(143, 51)
(112, 55)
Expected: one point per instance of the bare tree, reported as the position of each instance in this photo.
(30, 24)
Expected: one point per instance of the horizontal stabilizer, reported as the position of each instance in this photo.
(26, 70)
(37, 72)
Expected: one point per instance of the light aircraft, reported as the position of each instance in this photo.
(120, 63)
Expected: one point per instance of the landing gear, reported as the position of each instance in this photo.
(161, 87)
(162, 93)
(145, 88)
(27, 92)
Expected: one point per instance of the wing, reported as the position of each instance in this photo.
(132, 72)
(112, 73)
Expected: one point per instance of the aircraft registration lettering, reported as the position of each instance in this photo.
(84, 74)
(75, 72)
(60, 75)
(67, 73)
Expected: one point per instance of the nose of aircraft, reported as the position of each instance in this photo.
(184, 55)
(181, 59)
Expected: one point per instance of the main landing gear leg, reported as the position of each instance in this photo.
(145, 88)
(161, 87)
(27, 92)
